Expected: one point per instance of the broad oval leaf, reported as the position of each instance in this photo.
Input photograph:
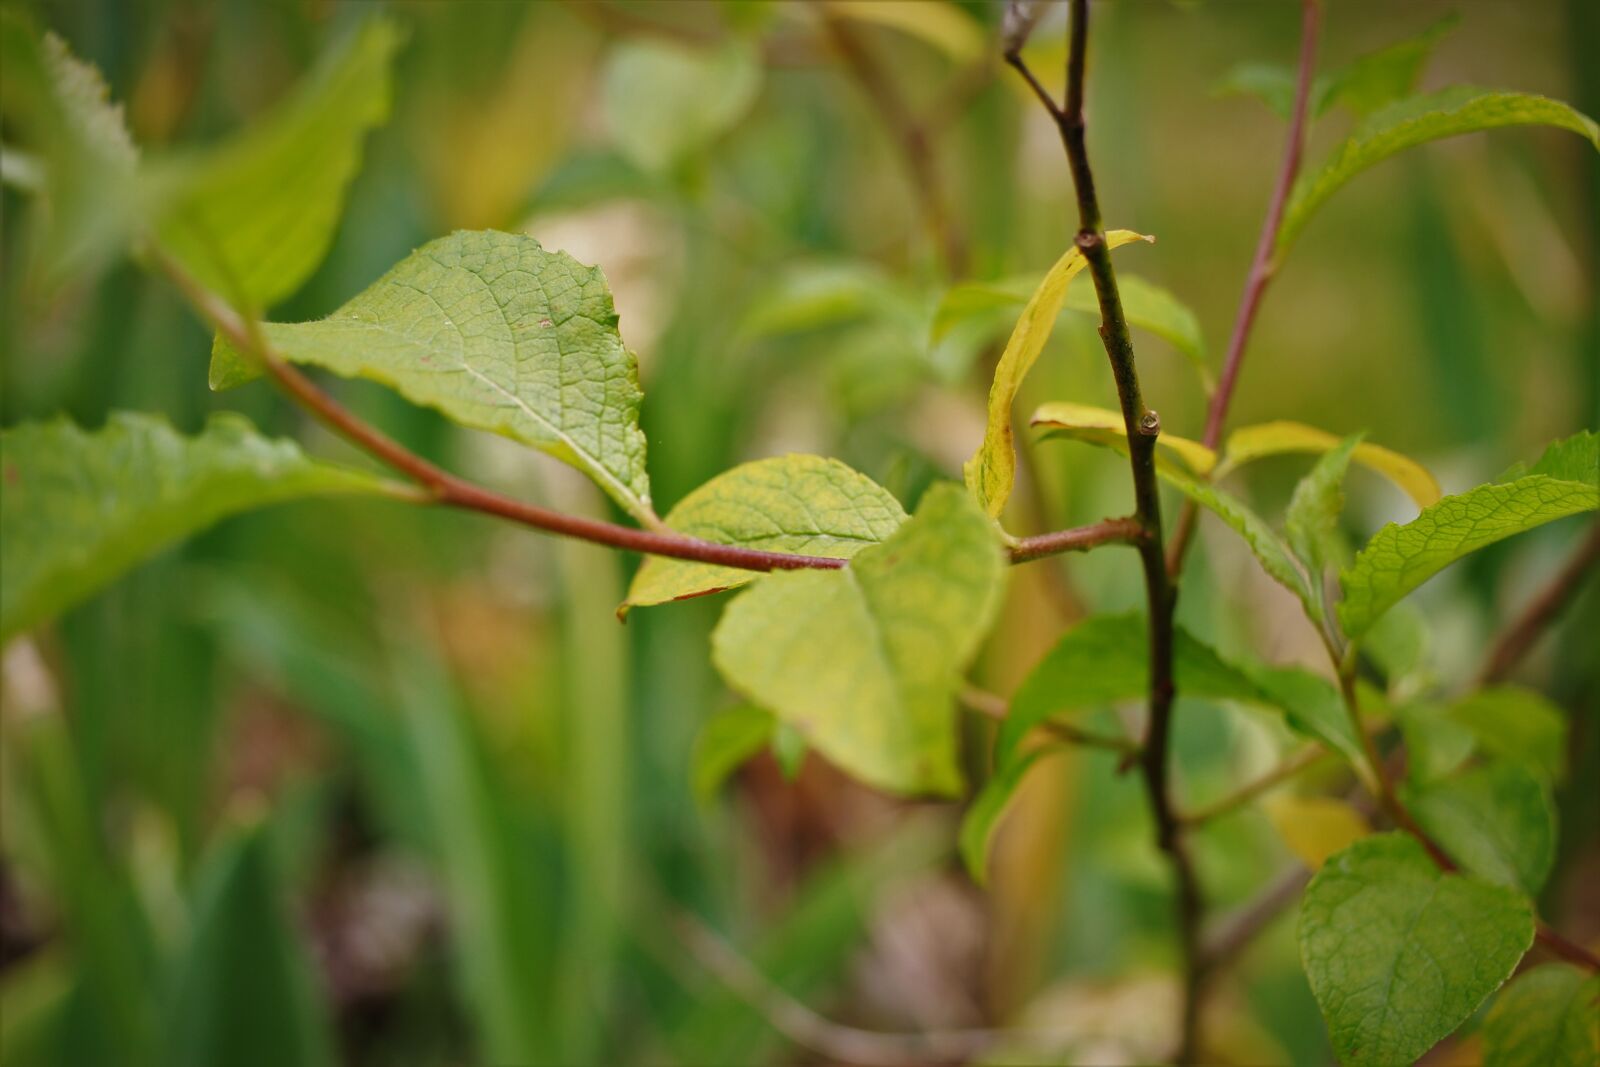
(864, 661)
(1517, 725)
(1416, 120)
(664, 100)
(1548, 1017)
(1496, 821)
(498, 334)
(992, 470)
(1400, 558)
(1102, 426)
(1277, 438)
(78, 508)
(1399, 953)
(252, 218)
(802, 504)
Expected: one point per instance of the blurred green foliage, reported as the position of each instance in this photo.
(346, 781)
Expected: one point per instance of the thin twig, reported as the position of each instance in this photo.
(1301, 761)
(995, 707)
(1516, 640)
(451, 491)
(911, 136)
(1234, 931)
(1142, 426)
(1262, 268)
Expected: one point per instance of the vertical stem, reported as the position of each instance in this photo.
(1143, 426)
(1518, 638)
(1262, 268)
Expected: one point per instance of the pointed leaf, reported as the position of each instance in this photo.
(802, 504)
(246, 991)
(498, 334)
(1102, 426)
(726, 741)
(864, 661)
(992, 470)
(1312, 520)
(978, 825)
(78, 508)
(1416, 120)
(1400, 558)
(1496, 821)
(1376, 79)
(1398, 953)
(1276, 438)
(1548, 1017)
(254, 217)
(1268, 547)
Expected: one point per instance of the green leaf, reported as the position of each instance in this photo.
(1496, 821)
(1313, 708)
(1312, 520)
(664, 101)
(1416, 120)
(1436, 744)
(1519, 725)
(59, 105)
(252, 218)
(992, 470)
(1250, 443)
(1105, 659)
(983, 815)
(1267, 546)
(498, 334)
(1571, 459)
(726, 741)
(1146, 305)
(1380, 77)
(1398, 953)
(1400, 558)
(1102, 426)
(1548, 1017)
(79, 507)
(864, 661)
(246, 992)
(802, 504)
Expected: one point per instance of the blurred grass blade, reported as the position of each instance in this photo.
(246, 993)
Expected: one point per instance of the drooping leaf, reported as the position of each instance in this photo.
(1399, 953)
(802, 504)
(246, 990)
(78, 508)
(1548, 1017)
(864, 661)
(87, 158)
(1314, 828)
(1276, 438)
(1146, 305)
(1400, 558)
(1312, 519)
(663, 101)
(1268, 547)
(498, 334)
(1518, 725)
(1105, 659)
(726, 741)
(1313, 708)
(983, 814)
(1496, 821)
(992, 470)
(943, 25)
(1102, 426)
(252, 218)
(1416, 120)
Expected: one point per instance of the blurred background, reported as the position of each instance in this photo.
(352, 782)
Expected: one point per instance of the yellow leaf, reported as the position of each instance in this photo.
(1276, 438)
(992, 470)
(1315, 828)
(1102, 426)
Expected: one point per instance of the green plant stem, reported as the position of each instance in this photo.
(1289, 768)
(1143, 426)
(995, 707)
(441, 487)
(1262, 268)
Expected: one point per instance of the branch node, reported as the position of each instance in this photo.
(1150, 423)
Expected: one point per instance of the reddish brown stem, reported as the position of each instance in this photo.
(1519, 638)
(1262, 268)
